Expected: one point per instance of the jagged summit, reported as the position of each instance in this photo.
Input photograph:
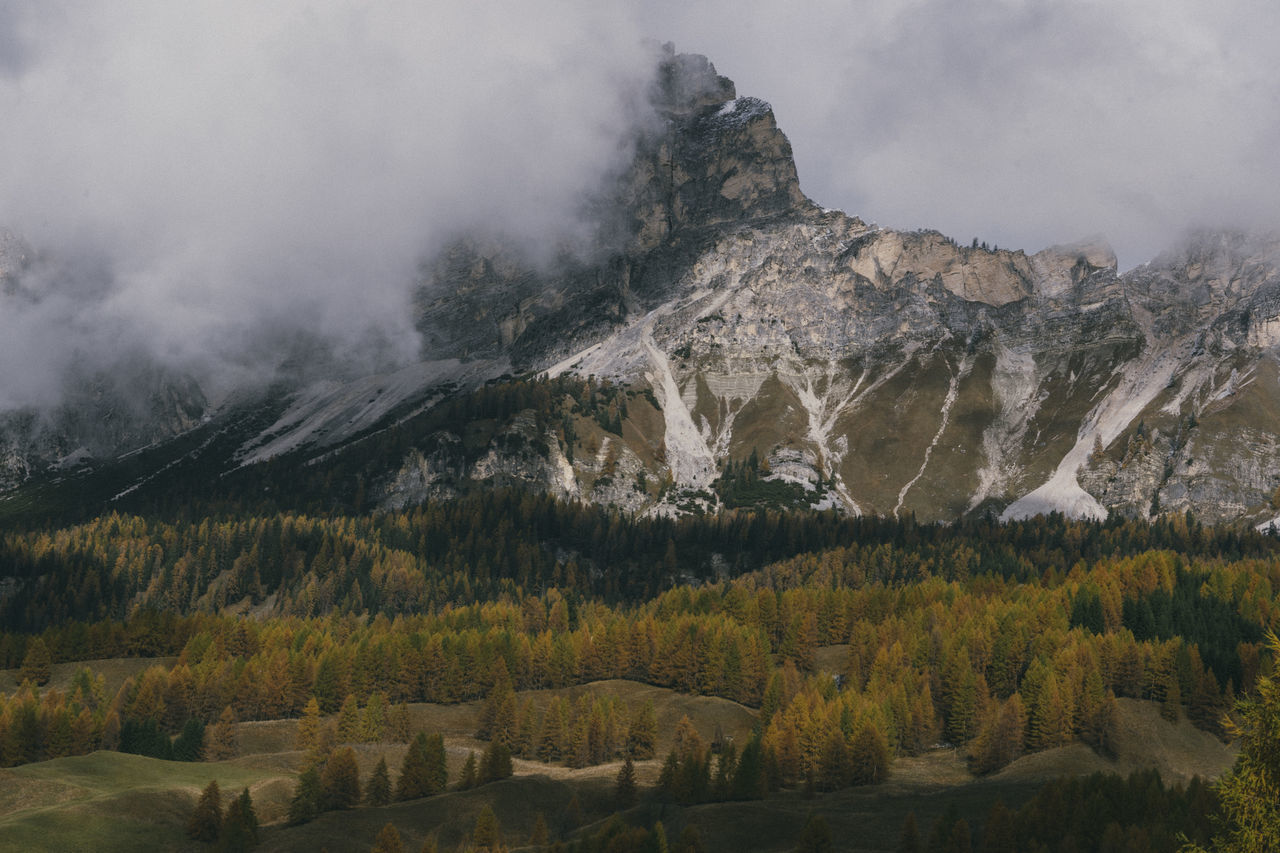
(687, 83)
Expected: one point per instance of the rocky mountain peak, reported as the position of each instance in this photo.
(687, 83)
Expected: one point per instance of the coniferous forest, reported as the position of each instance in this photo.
(849, 647)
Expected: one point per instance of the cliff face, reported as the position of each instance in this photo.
(884, 371)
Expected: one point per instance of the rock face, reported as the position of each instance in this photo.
(884, 371)
(740, 328)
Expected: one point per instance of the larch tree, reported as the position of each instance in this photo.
(341, 781)
(388, 840)
(205, 822)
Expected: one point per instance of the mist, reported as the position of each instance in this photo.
(203, 181)
(223, 184)
(1020, 122)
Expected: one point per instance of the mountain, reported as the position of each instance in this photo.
(727, 342)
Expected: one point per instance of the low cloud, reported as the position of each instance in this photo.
(239, 171)
(1023, 122)
(202, 182)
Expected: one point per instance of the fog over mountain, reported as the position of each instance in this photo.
(204, 184)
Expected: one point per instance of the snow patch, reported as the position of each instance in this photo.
(688, 456)
(1014, 382)
(327, 413)
(1141, 381)
(823, 408)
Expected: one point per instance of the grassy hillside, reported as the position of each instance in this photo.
(108, 801)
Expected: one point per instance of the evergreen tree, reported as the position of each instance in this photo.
(573, 816)
(424, 772)
(470, 774)
(748, 776)
(205, 822)
(624, 789)
(961, 839)
(1250, 791)
(189, 745)
(240, 826)
(437, 764)
(398, 723)
(940, 834)
(378, 790)
(374, 720)
(307, 797)
(496, 763)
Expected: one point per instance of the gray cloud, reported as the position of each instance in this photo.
(239, 166)
(205, 172)
(1026, 122)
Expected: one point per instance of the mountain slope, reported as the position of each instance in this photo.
(756, 348)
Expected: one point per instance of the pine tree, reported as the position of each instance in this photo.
(307, 798)
(691, 840)
(748, 776)
(205, 822)
(496, 763)
(424, 772)
(240, 826)
(189, 745)
(378, 789)
(470, 775)
(437, 764)
(1250, 806)
(624, 789)
(573, 816)
(961, 839)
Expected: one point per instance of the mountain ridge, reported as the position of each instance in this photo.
(864, 369)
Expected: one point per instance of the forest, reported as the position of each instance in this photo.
(995, 640)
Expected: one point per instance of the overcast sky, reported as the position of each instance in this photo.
(204, 171)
